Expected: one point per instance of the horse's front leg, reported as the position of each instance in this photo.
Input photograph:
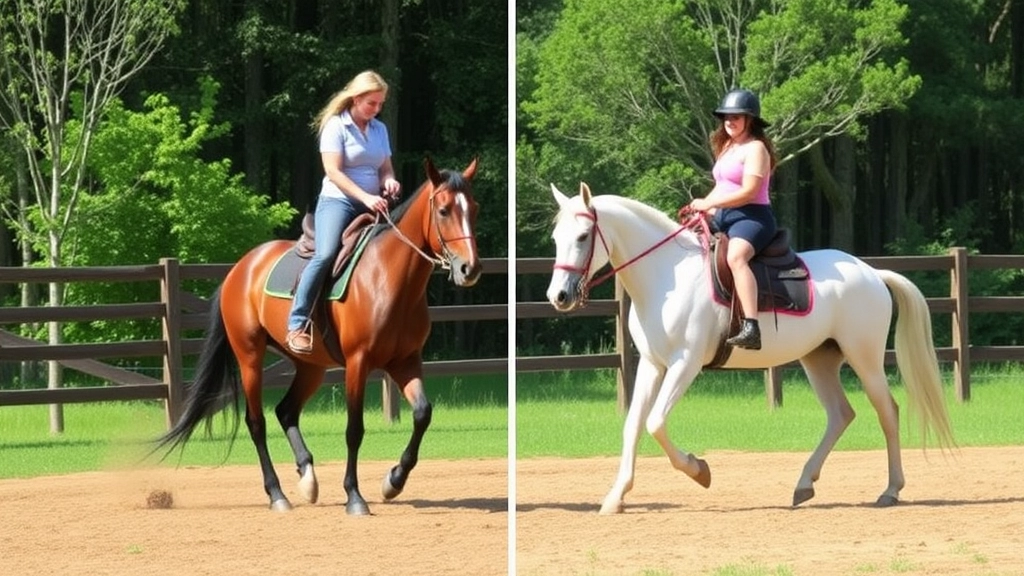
(355, 385)
(677, 380)
(411, 383)
(648, 376)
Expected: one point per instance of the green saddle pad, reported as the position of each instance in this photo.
(284, 275)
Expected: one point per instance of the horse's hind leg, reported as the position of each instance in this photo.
(307, 379)
(822, 367)
(411, 382)
(252, 382)
(869, 366)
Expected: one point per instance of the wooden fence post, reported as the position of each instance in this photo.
(391, 398)
(170, 284)
(624, 348)
(958, 289)
(773, 386)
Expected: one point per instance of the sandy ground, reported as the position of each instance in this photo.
(451, 519)
(963, 516)
(957, 517)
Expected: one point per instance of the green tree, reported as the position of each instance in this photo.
(50, 51)
(624, 91)
(152, 194)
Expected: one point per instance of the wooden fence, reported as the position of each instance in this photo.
(960, 304)
(180, 311)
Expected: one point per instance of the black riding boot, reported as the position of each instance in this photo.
(749, 336)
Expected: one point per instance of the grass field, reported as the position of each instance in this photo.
(470, 420)
(574, 415)
(566, 414)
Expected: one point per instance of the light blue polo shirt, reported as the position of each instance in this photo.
(362, 156)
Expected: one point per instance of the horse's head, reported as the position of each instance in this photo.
(580, 250)
(450, 221)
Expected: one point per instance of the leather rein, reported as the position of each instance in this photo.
(444, 260)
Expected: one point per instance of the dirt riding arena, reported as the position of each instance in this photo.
(957, 517)
(964, 517)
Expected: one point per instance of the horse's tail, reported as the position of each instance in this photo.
(215, 384)
(916, 359)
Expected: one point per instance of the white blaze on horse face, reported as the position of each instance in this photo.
(467, 230)
(572, 254)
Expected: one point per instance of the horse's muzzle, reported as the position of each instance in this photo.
(565, 296)
(465, 273)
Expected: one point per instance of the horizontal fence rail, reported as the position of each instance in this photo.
(959, 304)
(178, 311)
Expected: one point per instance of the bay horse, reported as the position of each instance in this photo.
(677, 327)
(382, 323)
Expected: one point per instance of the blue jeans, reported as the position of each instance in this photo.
(332, 216)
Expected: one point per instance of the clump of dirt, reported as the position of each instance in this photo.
(159, 499)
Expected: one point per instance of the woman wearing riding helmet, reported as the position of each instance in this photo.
(739, 203)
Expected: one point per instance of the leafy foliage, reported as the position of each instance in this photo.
(152, 194)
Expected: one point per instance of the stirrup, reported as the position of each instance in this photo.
(300, 341)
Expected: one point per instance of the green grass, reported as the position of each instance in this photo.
(575, 415)
(559, 414)
(470, 420)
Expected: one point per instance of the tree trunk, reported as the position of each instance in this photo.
(875, 204)
(55, 378)
(785, 201)
(389, 52)
(1017, 49)
(254, 127)
(899, 146)
(838, 190)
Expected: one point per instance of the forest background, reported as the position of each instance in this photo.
(205, 149)
(897, 124)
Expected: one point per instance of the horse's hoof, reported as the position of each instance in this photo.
(282, 505)
(609, 508)
(703, 476)
(801, 495)
(357, 509)
(886, 501)
(387, 489)
(309, 488)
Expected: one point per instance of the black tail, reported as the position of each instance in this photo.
(215, 385)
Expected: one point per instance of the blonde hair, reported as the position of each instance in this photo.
(365, 82)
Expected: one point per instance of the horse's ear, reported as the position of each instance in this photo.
(470, 170)
(585, 193)
(562, 199)
(432, 173)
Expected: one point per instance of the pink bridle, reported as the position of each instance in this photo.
(688, 220)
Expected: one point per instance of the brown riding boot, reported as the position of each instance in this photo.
(300, 341)
(749, 336)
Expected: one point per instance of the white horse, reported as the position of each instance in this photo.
(677, 328)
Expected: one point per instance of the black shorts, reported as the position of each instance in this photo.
(755, 223)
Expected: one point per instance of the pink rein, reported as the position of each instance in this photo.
(688, 220)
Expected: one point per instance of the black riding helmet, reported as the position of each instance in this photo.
(741, 101)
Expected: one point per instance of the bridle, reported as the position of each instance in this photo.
(688, 220)
(444, 260)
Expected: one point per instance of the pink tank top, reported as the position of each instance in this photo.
(728, 173)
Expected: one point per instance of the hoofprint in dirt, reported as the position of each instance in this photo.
(961, 515)
(452, 520)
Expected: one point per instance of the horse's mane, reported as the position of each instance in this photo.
(452, 178)
(645, 211)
